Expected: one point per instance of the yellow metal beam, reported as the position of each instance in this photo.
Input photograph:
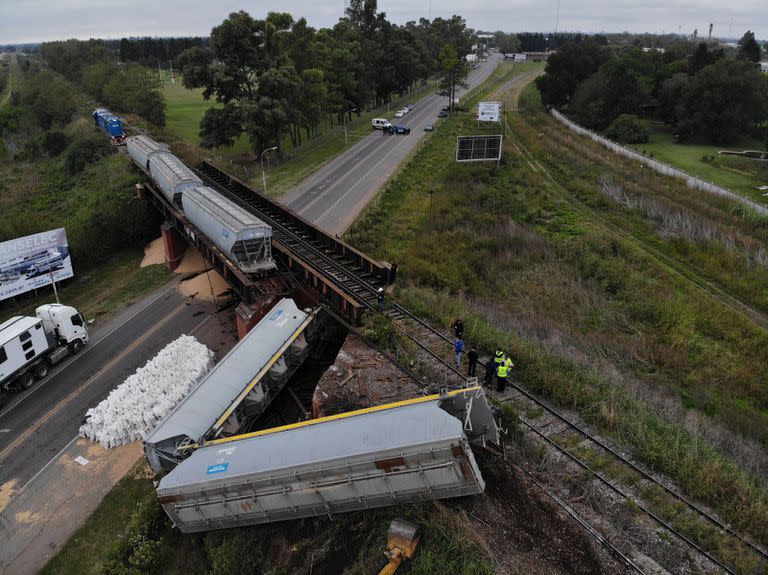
(267, 366)
(346, 415)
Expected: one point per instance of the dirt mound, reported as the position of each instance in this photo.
(207, 286)
(525, 531)
(361, 377)
(154, 253)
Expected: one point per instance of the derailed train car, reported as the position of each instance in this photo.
(243, 237)
(409, 451)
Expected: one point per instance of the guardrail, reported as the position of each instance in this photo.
(660, 167)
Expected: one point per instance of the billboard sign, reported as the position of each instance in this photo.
(478, 148)
(34, 261)
(489, 112)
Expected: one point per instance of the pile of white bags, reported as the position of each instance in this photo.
(132, 409)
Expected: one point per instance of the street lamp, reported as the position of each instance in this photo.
(345, 124)
(263, 177)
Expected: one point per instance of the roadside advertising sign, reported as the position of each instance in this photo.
(34, 261)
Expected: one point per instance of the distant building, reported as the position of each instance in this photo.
(764, 67)
(660, 50)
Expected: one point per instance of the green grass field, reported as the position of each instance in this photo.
(741, 175)
(183, 111)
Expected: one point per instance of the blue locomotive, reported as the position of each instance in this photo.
(105, 121)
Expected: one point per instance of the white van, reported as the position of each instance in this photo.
(379, 123)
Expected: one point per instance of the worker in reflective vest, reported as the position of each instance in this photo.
(501, 377)
(498, 357)
(508, 362)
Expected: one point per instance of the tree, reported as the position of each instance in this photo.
(506, 43)
(622, 85)
(51, 100)
(749, 49)
(221, 126)
(703, 57)
(723, 102)
(628, 129)
(453, 73)
(566, 69)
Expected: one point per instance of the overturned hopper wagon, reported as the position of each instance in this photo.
(409, 451)
(237, 389)
(241, 236)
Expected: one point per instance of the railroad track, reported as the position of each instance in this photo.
(559, 423)
(363, 287)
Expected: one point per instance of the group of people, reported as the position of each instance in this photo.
(498, 368)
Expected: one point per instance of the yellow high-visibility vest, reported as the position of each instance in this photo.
(499, 358)
(508, 362)
(501, 371)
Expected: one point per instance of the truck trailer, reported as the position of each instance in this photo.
(29, 346)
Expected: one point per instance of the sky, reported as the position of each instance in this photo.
(24, 21)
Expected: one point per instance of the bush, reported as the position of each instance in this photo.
(628, 129)
(85, 150)
(54, 143)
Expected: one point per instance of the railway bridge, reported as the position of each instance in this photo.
(333, 271)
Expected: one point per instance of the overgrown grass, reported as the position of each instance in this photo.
(602, 312)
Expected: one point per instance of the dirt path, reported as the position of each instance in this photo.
(510, 92)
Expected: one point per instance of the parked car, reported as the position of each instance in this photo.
(401, 130)
(379, 123)
(429, 128)
(443, 114)
(399, 114)
(409, 107)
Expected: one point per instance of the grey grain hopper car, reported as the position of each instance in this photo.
(375, 457)
(142, 148)
(172, 176)
(237, 389)
(239, 234)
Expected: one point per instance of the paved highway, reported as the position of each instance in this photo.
(38, 424)
(337, 193)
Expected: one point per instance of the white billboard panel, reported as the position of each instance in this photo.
(489, 112)
(33, 261)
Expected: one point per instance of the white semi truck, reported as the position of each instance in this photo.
(29, 346)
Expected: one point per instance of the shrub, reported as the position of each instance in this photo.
(85, 150)
(54, 142)
(628, 129)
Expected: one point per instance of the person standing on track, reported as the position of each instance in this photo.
(473, 357)
(380, 299)
(498, 357)
(501, 377)
(458, 329)
(458, 347)
(490, 372)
